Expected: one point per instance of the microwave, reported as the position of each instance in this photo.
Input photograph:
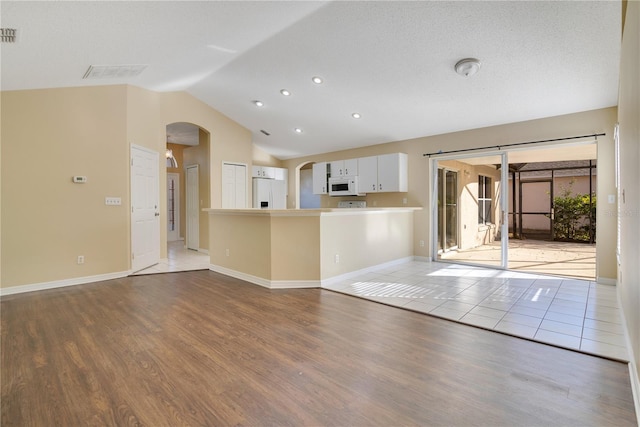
(343, 186)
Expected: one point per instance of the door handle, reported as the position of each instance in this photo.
(157, 213)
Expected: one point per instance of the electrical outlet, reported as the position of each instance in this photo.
(422, 243)
(80, 259)
(337, 258)
(226, 252)
(112, 201)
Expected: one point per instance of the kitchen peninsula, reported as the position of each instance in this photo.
(306, 248)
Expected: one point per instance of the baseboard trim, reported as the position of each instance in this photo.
(606, 281)
(634, 377)
(265, 283)
(423, 258)
(62, 283)
(346, 276)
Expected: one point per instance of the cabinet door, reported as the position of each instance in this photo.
(392, 172)
(336, 168)
(256, 172)
(282, 174)
(351, 167)
(320, 178)
(268, 172)
(368, 174)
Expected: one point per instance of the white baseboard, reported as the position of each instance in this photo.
(634, 377)
(606, 281)
(423, 258)
(351, 274)
(270, 284)
(62, 283)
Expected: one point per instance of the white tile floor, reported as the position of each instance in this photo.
(178, 258)
(569, 313)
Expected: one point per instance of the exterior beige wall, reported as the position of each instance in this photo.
(629, 214)
(589, 122)
(48, 136)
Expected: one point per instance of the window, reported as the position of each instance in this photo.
(484, 200)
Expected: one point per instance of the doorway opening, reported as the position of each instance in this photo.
(534, 211)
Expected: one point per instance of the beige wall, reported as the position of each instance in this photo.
(50, 135)
(589, 122)
(362, 241)
(629, 214)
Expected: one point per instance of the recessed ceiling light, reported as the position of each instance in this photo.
(297, 130)
(258, 103)
(317, 80)
(356, 115)
(285, 92)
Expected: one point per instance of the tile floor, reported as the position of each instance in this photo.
(178, 258)
(569, 313)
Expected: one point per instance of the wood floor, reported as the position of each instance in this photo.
(200, 348)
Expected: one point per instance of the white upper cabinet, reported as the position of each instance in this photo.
(263, 172)
(343, 168)
(320, 178)
(384, 173)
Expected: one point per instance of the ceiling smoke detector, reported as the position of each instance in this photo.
(8, 35)
(467, 67)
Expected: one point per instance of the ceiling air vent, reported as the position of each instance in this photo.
(265, 132)
(8, 35)
(113, 71)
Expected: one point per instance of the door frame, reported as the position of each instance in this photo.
(155, 257)
(504, 200)
(174, 235)
(192, 237)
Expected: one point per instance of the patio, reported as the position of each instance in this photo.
(566, 259)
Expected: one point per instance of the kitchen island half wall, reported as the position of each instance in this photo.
(306, 248)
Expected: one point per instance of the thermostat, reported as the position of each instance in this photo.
(79, 179)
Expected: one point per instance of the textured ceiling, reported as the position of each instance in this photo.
(390, 61)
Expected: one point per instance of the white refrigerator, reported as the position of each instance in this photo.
(269, 194)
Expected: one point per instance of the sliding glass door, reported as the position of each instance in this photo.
(469, 209)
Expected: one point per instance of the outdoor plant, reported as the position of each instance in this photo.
(571, 220)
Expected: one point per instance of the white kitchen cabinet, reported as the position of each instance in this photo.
(320, 178)
(282, 174)
(384, 173)
(343, 168)
(263, 172)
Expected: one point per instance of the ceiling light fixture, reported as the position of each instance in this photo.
(258, 103)
(317, 80)
(285, 92)
(356, 115)
(171, 160)
(467, 67)
(297, 130)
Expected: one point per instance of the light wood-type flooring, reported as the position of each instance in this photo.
(199, 348)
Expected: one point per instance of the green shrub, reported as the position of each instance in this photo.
(571, 219)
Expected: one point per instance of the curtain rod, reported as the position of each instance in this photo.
(515, 144)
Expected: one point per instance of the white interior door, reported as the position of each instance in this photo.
(145, 213)
(193, 208)
(234, 186)
(173, 207)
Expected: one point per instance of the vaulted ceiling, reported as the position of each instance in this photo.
(391, 62)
